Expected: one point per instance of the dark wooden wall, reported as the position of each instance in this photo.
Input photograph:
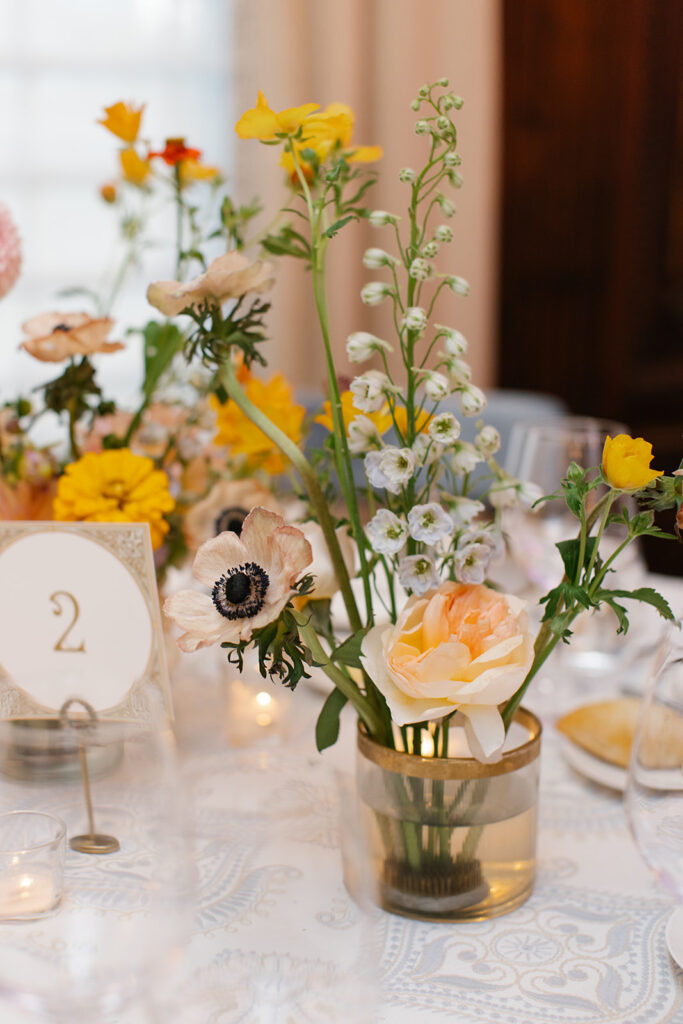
(592, 255)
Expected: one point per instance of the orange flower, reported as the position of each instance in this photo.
(26, 500)
(242, 437)
(54, 337)
(134, 168)
(331, 129)
(108, 192)
(263, 123)
(176, 151)
(382, 419)
(122, 120)
(193, 170)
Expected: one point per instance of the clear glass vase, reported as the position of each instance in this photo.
(450, 838)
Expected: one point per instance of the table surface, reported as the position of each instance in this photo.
(277, 938)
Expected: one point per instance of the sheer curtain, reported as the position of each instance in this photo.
(374, 55)
(61, 61)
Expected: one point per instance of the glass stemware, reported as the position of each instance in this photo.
(124, 911)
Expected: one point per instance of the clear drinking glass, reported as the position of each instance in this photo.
(124, 912)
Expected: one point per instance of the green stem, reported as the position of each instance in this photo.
(180, 209)
(308, 478)
(75, 451)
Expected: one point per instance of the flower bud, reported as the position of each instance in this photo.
(108, 192)
(487, 441)
(422, 127)
(415, 105)
(472, 400)
(444, 127)
(407, 174)
(455, 179)
(456, 343)
(374, 292)
(370, 390)
(459, 372)
(445, 205)
(458, 285)
(415, 319)
(375, 259)
(378, 218)
(435, 385)
(423, 92)
(420, 270)
(452, 159)
(458, 102)
(430, 250)
(443, 233)
(443, 82)
(360, 346)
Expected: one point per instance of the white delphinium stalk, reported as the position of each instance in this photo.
(370, 390)
(470, 563)
(487, 441)
(458, 285)
(455, 341)
(472, 400)
(444, 428)
(465, 458)
(463, 510)
(375, 292)
(426, 450)
(386, 532)
(417, 573)
(443, 233)
(363, 436)
(391, 468)
(435, 384)
(420, 270)
(361, 346)
(415, 319)
(380, 218)
(429, 523)
(375, 259)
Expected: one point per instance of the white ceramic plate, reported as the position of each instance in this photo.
(674, 935)
(593, 768)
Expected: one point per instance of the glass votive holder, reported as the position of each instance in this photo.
(32, 853)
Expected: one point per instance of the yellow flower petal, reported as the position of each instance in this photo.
(243, 438)
(122, 120)
(260, 122)
(133, 167)
(626, 462)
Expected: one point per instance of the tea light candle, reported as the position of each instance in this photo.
(32, 853)
(22, 894)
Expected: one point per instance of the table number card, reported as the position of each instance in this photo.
(79, 617)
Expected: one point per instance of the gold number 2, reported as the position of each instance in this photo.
(57, 610)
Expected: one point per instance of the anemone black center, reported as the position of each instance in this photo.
(230, 519)
(240, 593)
(61, 327)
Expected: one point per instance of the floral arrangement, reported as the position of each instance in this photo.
(425, 638)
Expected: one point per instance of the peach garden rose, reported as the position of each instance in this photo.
(461, 647)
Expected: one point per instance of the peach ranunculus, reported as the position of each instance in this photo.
(229, 277)
(626, 462)
(226, 507)
(54, 337)
(250, 579)
(461, 647)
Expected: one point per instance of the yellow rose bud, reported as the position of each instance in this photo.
(626, 462)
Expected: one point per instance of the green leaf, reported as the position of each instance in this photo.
(620, 613)
(327, 726)
(645, 594)
(161, 342)
(348, 653)
(570, 549)
(337, 226)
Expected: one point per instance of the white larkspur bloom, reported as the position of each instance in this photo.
(456, 179)
(375, 292)
(429, 523)
(415, 319)
(430, 250)
(445, 205)
(370, 390)
(487, 440)
(472, 400)
(529, 493)
(379, 218)
(435, 384)
(420, 270)
(458, 285)
(465, 457)
(363, 436)
(407, 175)
(426, 450)
(386, 532)
(361, 345)
(455, 341)
(463, 510)
(444, 233)
(444, 428)
(417, 573)
(470, 563)
(390, 468)
(506, 493)
(459, 372)
(375, 259)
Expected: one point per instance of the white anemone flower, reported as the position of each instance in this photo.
(386, 532)
(390, 468)
(429, 523)
(417, 573)
(251, 579)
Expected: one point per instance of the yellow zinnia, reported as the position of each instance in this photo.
(260, 122)
(242, 437)
(134, 168)
(331, 129)
(115, 486)
(381, 419)
(122, 120)
(626, 462)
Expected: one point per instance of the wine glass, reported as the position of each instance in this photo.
(124, 910)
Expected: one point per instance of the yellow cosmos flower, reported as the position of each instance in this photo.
(134, 168)
(331, 129)
(382, 419)
(122, 120)
(194, 170)
(626, 462)
(115, 487)
(242, 437)
(260, 122)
